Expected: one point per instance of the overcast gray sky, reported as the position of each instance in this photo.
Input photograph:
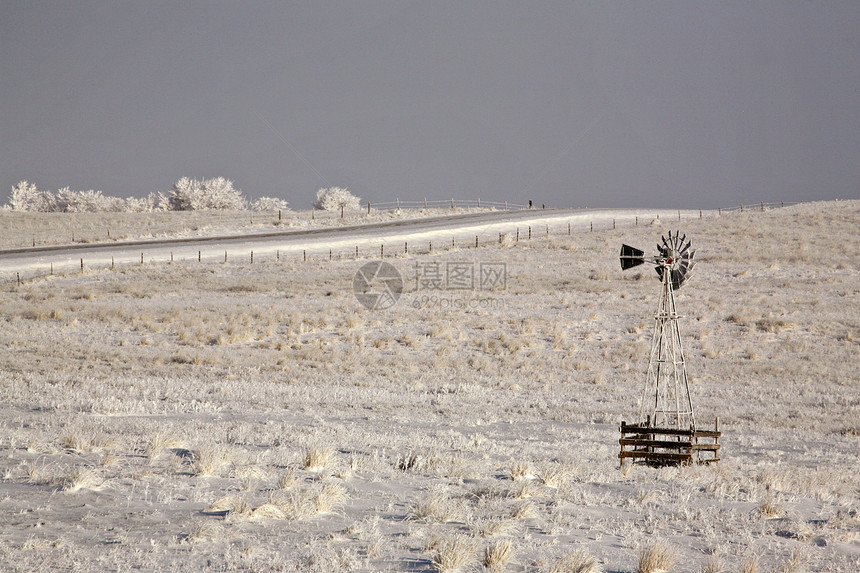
(619, 104)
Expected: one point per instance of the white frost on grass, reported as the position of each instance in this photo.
(181, 403)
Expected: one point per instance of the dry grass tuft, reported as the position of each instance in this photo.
(496, 555)
(83, 478)
(794, 564)
(205, 530)
(439, 508)
(209, 460)
(490, 527)
(577, 561)
(157, 444)
(750, 565)
(770, 508)
(453, 553)
(267, 511)
(317, 458)
(524, 510)
(656, 558)
(553, 476)
(521, 471)
(712, 565)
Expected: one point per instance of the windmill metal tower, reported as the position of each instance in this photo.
(666, 407)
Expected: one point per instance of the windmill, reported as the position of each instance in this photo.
(666, 407)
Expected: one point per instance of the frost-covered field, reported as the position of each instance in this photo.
(42, 229)
(256, 417)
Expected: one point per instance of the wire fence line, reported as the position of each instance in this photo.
(444, 241)
(511, 206)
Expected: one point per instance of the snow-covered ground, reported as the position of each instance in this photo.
(237, 416)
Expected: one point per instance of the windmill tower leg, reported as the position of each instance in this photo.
(666, 400)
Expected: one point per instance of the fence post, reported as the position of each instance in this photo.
(111, 262)
(679, 214)
(171, 257)
(476, 241)
(252, 257)
(518, 234)
(329, 255)
(381, 251)
(368, 207)
(637, 220)
(425, 202)
(479, 202)
(592, 226)
(568, 229)
(406, 248)
(530, 232)
(141, 258)
(547, 230)
(18, 276)
(762, 205)
(431, 246)
(613, 224)
(304, 256)
(198, 256)
(341, 211)
(700, 213)
(356, 251)
(452, 202)
(279, 214)
(225, 256)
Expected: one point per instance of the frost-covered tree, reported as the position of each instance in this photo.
(335, 198)
(269, 204)
(192, 195)
(26, 197)
(152, 202)
(68, 201)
